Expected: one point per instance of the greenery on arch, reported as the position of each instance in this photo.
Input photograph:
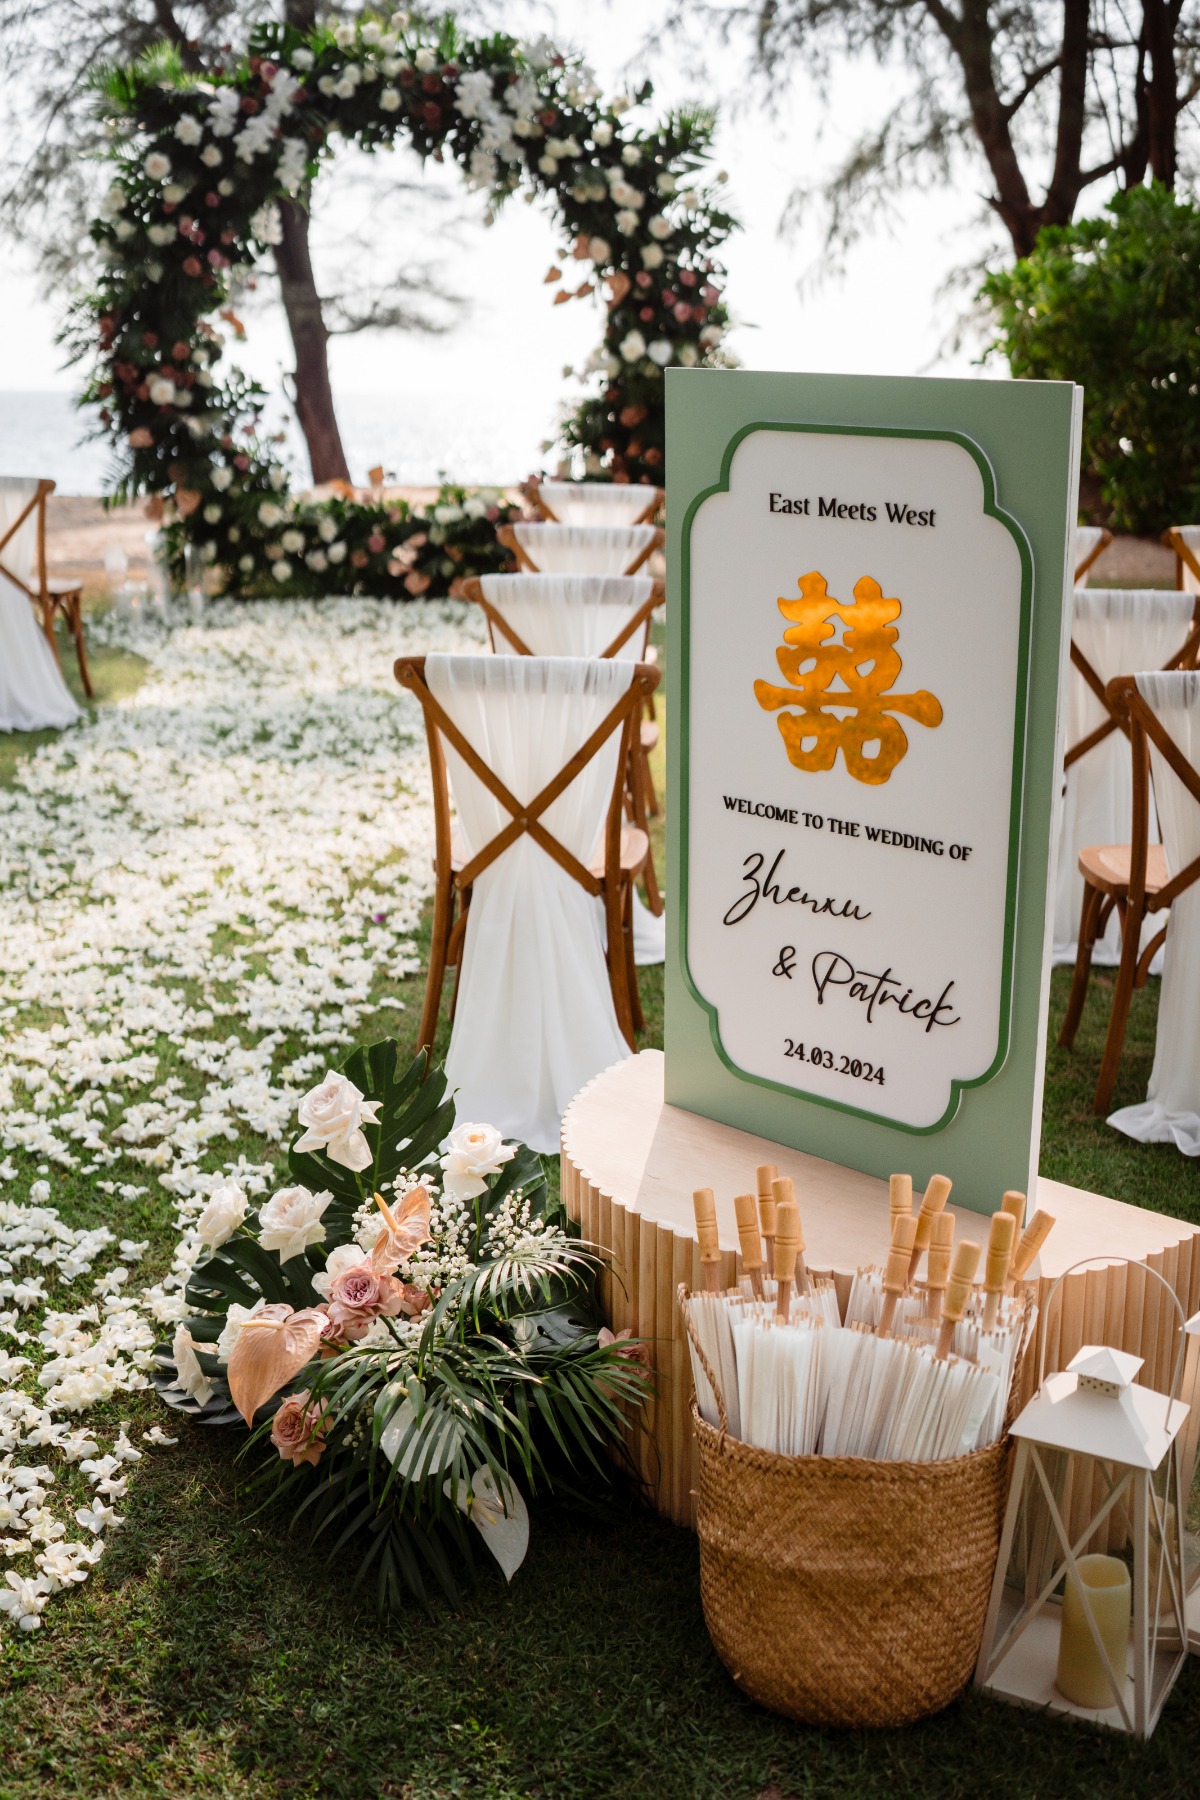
(199, 164)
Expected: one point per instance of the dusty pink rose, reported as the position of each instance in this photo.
(359, 1296)
(297, 1431)
(413, 1300)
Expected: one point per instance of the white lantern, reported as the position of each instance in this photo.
(1098, 1466)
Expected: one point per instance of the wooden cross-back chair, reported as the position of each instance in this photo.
(506, 535)
(1185, 557)
(50, 597)
(1088, 557)
(609, 879)
(1186, 657)
(641, 798)
(581, 494)
(1131, 878)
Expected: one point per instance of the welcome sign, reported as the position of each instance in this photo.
(866, 631)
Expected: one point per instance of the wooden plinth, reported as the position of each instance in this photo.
(629, 1167)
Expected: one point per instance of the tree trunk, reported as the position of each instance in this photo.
(1159, 23)
(310, 340)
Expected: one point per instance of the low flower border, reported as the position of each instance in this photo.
(201, 161)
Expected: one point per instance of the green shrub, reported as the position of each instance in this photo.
(1114, 304)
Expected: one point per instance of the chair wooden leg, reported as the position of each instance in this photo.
(618, 963)
(1088, 918)
(637, 794)
(443, 907)
(635, 998)
(76, 620)
(1131, 931)
(47, 612)
(643, 761)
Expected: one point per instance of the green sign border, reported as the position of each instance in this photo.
(992, 511)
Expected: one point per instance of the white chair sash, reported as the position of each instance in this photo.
(595, 502)
(1170, 1112)
(1118, 630)
(535, 1019)
(570, 615)
(33, 694)
(583, 549)
(1086, 539)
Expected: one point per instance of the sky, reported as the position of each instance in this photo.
(483, 398)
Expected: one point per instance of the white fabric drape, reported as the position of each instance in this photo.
(1118, 630)
(535, 1019)
(580, 615)
(33, 694)
(1170, 1112)
(1086, 539)
(1191, 537)
(570, 615)
(595, 502)
(583, 549)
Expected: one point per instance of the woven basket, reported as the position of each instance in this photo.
(842, 1591)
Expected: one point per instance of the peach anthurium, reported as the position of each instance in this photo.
(272, 1346)
(406, 1228)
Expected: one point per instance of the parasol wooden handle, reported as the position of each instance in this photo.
(764, 1177)
(933, 1202)
(705, 1205)
(895, 1274)
(1014, 1202)
(1001, 1234)
(937, 1264)
(1036, 1233)
(746, 1210)
(784, 1194)
(899, 1197)
(963, 1265)
(787, 1241)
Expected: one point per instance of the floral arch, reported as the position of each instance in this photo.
(200, 162)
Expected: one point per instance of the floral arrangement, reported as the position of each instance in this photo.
(200, 160)
(407, 1329)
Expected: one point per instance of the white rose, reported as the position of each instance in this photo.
(325, 85)
(652, 256)
(622, 103)
(627, 222)
(660, 352)
(337, 553)
(189, 1376)
(602, 134)
(210, 156)
(333, 1115)
(346, 1256)
(370, 32)
(225, 187)
(189, 130)
(548, 165)
(448, 514)
(712, 334)
(282, 569)
(269, 514)
(235, 1318)
(234, 534)
(327, 530)
(666, 183)
(345, 89)
(688, 355)
(245, 564)
(344, 36)
(659, 227)
(124, 229)
(473, 1151)
(291, 1221)
(630, 155)
(633, 347)
(162, 391)
(212, 513)
(389, 100)
(599, 249)
(293, 541)
(278, 478)
(425, 60)
(302, 59)
(221, 479)
(474, 508)
(225, 1211)
(157, 166)
(317, 561)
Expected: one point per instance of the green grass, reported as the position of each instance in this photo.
(213, 1654)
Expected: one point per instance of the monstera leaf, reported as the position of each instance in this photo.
(414, 1117)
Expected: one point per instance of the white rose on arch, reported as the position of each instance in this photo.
(633, 346)
(333, 1115)
(224, 1213)
(471, 1153)
(652, 256)
(291, 1221)
(660, 352)
(658, 227)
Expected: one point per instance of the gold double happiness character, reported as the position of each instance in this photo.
(868, 644)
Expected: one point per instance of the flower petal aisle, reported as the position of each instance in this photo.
(233, 860)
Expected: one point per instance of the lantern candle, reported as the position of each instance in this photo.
(1104, 1590)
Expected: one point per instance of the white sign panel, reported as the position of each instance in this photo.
(855, 669)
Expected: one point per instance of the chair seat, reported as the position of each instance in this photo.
(1106, 866)
(649, 734)
(635, 847)
(62, 589)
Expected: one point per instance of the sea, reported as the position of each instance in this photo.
(418, 439)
